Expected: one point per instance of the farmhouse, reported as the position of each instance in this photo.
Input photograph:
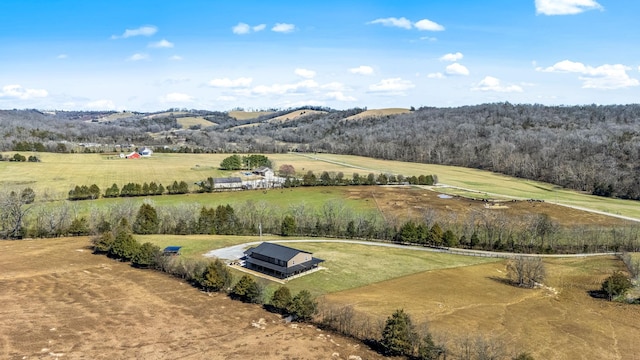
(227, 183)
(279, 261)
(264, 171)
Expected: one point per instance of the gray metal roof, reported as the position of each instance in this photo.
(227, 180)
(275, 251)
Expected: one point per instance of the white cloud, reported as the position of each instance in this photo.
(437, 75)
(565, 7)
(489, 83)
(452, 57)
(392, 86)
(138, 57)
(362, 70)
(404, 23)
(175, 58)
(283, 28)
(226, 98)
(141, 31)
(18, 92)
(241, 29)
(281, 89)
(602, 77)
(176, 98)
(428, 25)
(339, 96)
(457, 69)
(305, 73)
(241, 82)
(62, 56)
(101, 105)
(161, 44)
(394, 22)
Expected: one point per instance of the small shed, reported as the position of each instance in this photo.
(171, 251)
(146, 152)
(133, 155)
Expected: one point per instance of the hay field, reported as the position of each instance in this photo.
(188, 121)
(62, 302)
(559, 322)
(294, 115)
(378, 113)
(248, 115)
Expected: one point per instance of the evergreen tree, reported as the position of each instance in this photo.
(281, 299)
(233, 162)
(103, 242)
(147, 221)
(247, 290)
(398, 335)
(146, 256)
(303, 306)
(124, 246)
(216, 277)
(288, 226)
(616, 285)
(79, 227)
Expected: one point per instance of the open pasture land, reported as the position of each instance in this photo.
(295, 115)
(558, 322)
(378, 113)
(59, 173)
(61, 301)
(188, 121)
(248, 115)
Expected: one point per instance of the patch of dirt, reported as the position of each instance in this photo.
(400, 202)
(61, 301)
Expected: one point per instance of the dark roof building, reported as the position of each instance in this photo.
(279, 261)
(172, 250)
(227, 183)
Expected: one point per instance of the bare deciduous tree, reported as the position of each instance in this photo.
(526, 271)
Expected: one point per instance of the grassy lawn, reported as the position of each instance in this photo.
(350, 266)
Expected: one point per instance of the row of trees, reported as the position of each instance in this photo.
(128, 190)
(19, 158)
(335, 179)
(249, 162)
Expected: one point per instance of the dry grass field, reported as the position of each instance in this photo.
(558, 322)
(62, 302)
(378, 113)
(295, 115)
(248, 115)
(188, 121)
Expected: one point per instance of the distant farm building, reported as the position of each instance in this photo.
(279, 261)
(145, 151)
(264, 171)
(133, 155)
(227, 183)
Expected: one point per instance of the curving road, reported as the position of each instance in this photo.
(237, 251)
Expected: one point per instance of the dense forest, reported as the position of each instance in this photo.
(588, 148)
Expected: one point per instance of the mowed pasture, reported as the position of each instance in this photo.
(378, 113)
(559, 321)
(62, 302)
(59, 173)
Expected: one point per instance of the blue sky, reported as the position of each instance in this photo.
(217, 55)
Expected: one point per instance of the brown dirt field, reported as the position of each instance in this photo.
(401, 202)
(61, 301)
(559, 322)
(378, 113)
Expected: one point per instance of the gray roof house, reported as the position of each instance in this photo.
(279, 261)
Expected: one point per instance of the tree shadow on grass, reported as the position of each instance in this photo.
(501, 280)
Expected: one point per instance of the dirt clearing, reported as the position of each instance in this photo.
(61, 301)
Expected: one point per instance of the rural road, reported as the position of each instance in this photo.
(237, 251)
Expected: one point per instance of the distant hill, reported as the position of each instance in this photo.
(295, 115)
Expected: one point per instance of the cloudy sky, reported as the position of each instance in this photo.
(217, 55)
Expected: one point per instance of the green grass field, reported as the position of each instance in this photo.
(59, 173)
